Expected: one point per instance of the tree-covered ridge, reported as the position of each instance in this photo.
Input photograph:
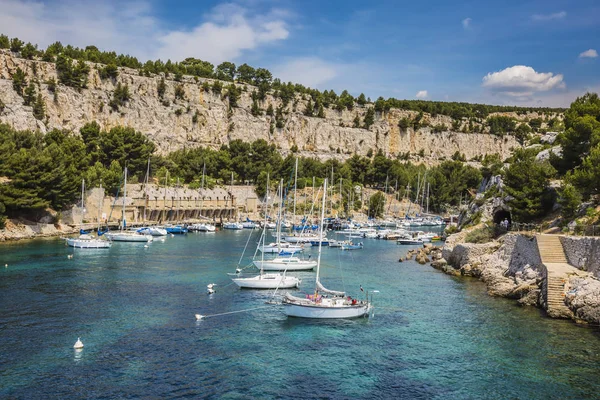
(46, 170)
(71, 74)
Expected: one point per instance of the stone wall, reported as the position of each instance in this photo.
(583, 253)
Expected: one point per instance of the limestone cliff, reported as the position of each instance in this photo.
(171, 126)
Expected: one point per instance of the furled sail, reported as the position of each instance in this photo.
(323, 289)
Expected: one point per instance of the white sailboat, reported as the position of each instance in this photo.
(285, 264)
(123, 235)
(85, 240)
(279, 247)
(264, 280)
(325, 303)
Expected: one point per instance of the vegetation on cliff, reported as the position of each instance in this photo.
(72, 71)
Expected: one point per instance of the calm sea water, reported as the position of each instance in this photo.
(432, 336)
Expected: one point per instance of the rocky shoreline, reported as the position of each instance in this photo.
(19, 230)
(511, 267)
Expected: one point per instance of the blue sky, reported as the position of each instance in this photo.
(503, 52)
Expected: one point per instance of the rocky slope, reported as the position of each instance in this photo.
(332, 136)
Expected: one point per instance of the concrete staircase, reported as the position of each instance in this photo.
(554, 259)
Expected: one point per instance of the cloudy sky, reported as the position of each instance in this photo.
(525, 52)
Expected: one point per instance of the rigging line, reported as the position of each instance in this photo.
(246, 246)
(199, 316)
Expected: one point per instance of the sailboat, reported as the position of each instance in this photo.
(278, 246)
(123, 235)
(325, 303)
(264, 280)
(85, 240)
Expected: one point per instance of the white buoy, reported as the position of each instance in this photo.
(145, 246)
(69, 256)
(199, 317)
(172, 235)
(78, 344)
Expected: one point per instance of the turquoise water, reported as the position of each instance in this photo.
(432, 336)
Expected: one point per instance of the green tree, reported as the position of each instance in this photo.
(39, 108)
(29, 96)
(570, 200)
(376, 205)
(109, 71)
(582, 132)
(321, 112)
(527, 182)
(522, 133)
(120, 96)
(161, 87)
(246, 73)
(361, 100)
(225, 71)
(4, 42)
(19, 81)
(586, 177)
(29, 51)
(270, 110)
(369, 118)
(16, 45)
(309, 110)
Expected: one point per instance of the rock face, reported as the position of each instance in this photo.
(510, 267)
(329, 137)
(584, 299)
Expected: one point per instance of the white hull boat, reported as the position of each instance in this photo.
(302, 239)
(88, 242)
(206, 228)
(325, 308)
(325, 303)
(128, 237)
(153, 231)
(285, 264)
(267, 281)
(233, 226)
(281, 247)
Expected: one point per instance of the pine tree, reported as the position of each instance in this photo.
(161, 87)
(29, 96)
(321, 112)
(19, 81)
(369, 117)
(39, 108)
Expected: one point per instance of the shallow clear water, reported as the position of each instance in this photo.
(432, 336)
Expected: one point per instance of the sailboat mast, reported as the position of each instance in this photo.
(82, 202)
(427, 197)
(146, 188)
(100, 205)
(341, 196)
(124, 224)
(295, 187)
(321, 233)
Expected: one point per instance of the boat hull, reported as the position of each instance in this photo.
(88, 244)
(319, 312)
(285, 266)
(127, 237)
(267, 281)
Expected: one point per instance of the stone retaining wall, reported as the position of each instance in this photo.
(583, 253)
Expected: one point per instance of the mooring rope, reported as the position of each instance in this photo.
(200, 316)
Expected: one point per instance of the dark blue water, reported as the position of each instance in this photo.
(432, 336)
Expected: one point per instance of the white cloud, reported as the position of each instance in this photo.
(225, 36)
(591, 53)
(224, 33)
(421, 94)
(522, 81)
(549, 17)
(309, 71)
(466, 23)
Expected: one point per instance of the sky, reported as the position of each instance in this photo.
(528, 53)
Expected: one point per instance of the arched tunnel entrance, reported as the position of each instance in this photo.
(500, 215)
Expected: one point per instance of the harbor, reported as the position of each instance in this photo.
(430, 336)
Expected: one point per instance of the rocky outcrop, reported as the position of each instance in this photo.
(583, 299)
(16, 230)
(171, 123)
(510, 267)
